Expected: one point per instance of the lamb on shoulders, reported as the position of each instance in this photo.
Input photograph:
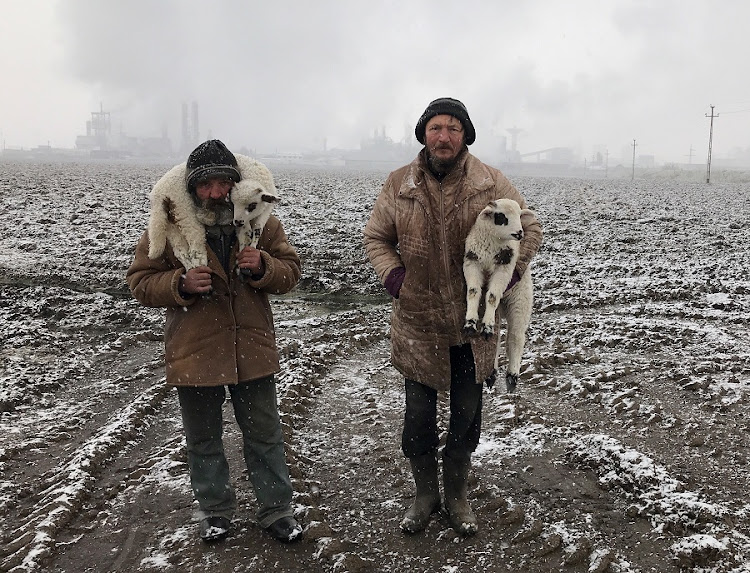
(490, 257)
(173, 216)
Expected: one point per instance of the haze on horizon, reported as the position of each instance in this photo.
(294, 75)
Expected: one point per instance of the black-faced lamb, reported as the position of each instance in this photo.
(490, 256)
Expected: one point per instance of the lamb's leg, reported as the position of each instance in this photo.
(518, 315)
(244, 239)
(495, 371)
(254, 238)
(473, 275)
(258, 225)
(495, 289)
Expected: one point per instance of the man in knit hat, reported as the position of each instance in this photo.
(415, 241)
(219, 337)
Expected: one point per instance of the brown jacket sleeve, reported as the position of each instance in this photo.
(154, 282)
(380, 237)
(282, 264)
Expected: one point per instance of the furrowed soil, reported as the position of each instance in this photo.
(624, 449)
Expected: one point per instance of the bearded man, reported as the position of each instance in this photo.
(415, 241)
(219, 339)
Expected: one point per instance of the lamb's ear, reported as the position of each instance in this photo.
(266, 198)
(528, 212)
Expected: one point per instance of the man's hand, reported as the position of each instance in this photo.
(249, 259)
(196, 281)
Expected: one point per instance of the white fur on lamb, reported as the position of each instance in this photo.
(253, 199)
(490, 257)
(173, 216)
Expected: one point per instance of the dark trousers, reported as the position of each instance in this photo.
(256, 412)
(420, 435)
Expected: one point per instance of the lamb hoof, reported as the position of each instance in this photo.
(511, 380)
(491, 379)
(487, 331)
(470, 327)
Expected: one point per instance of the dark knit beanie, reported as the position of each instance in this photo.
(210, 159)
(448, 106)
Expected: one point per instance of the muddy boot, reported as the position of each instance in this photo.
(455, 477)
(427, 501)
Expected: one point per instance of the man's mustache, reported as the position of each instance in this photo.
(212, 204)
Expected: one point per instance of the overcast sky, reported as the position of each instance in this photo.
(287, 75)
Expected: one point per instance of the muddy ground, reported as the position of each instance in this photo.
(625, 448)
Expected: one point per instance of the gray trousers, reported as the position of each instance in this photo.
(256, 412)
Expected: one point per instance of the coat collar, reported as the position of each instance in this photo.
(470, 175)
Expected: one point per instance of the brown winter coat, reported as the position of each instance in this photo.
(421, 224)
(227, 336)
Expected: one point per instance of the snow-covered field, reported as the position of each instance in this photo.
(625, 449)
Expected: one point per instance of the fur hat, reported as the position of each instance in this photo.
(210, 159)
(448, 106)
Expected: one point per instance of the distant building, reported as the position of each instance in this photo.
(381, 151)
(100, 142)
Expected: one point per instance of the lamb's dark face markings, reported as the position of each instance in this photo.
(504, 256)
(501, 219)
(249, 208)
(472, 256)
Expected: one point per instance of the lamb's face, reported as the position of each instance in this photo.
(502, 218)
(250, 200)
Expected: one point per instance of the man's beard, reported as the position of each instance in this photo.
(212, 212)
(441, 166)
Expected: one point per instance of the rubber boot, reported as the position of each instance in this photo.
(427, 500)
(455, 486)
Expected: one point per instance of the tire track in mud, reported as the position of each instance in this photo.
(77, 393)
(59, 495)
(310, 342)
(364, 485)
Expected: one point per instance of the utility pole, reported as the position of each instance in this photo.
(632, 173)
(690, 155)
(710, 142)
(606, 162)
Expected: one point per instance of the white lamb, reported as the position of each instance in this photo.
(253, 202)
(491, 253)
(173, 216)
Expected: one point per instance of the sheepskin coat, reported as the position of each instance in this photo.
(421, 224)
(225, 337)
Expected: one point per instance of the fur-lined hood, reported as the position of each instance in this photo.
(173, 217)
